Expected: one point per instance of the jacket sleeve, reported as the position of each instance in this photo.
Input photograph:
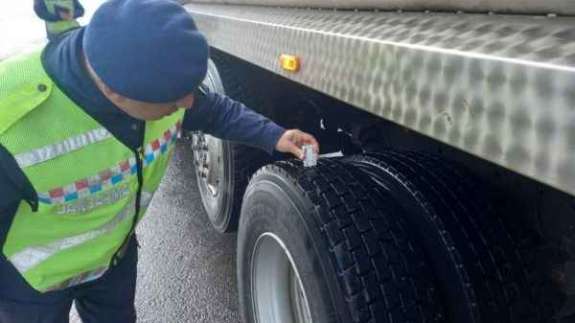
(9, 198)
(14, 185)
(222, 117)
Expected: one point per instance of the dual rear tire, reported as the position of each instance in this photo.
(342, 237)
(391, 237)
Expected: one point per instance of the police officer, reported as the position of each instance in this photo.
(87, 128)
(59, 15)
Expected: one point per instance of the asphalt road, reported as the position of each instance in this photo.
(186, 270)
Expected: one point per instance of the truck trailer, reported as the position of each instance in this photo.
(445, 189)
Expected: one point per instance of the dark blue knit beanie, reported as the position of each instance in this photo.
(147, 50)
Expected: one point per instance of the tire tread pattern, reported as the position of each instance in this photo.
(485, 255)
(382, 273)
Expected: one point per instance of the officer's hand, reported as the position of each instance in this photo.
(292, 140)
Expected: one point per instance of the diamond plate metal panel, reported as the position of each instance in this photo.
(563, 7)
(499, 87)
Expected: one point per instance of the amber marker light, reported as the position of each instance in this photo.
(290, 63)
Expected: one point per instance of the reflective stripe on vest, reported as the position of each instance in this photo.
(34, 255)
(48, 152)
(80, 279)
(110, 176)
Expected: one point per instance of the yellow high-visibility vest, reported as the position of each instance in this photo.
(92, 190)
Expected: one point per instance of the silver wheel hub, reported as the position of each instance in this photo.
(278, 295)
(208, 153)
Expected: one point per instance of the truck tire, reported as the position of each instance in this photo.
(325, 244)
(479, 270)
(223, 168)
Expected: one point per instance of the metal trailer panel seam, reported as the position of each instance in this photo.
(499, 87)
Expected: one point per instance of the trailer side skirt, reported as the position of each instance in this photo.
(499, 87)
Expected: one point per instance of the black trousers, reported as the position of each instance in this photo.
(109, 299)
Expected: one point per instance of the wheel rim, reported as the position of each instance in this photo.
(208, 159)
(278, 295)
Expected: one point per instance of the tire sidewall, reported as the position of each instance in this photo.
(271, 205)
